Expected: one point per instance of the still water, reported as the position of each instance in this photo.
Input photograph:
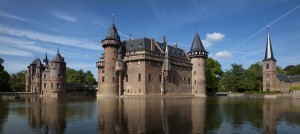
(151, 115)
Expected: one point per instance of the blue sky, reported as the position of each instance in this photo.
(233, 31)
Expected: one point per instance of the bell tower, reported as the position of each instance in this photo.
(269, 67)
(109, 79)
(198, 57)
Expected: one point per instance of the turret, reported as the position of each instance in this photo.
(269, 67)
(108, 85)
(57, 76)
(198, 56)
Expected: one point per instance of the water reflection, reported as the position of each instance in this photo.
(150, 115)
(47, 114)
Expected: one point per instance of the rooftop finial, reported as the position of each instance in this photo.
(113, 19)
(58, 48)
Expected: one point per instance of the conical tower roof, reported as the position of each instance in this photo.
(112, 33)
(197, 45)
(269, 51)
(58, 58)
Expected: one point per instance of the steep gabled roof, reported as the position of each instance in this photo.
(197, 44)
(269, 51)
(283, 77)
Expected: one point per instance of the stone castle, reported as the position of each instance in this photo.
(147, 67)
(47, 79)
(272, 81)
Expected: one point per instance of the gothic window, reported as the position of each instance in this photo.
(189, 81)
(267, 66)
(45, 76)
(45, 84)
(149, 77)
(103, 78)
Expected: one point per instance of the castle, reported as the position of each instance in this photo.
(272, 81)
(45, 79)
(147, 67)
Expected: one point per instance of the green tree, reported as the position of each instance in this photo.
(280, 70)
(233, 79)
(89, 78)
(294, 70)
(253, 77)
(18, 81)
(80, 77)
(213, 74)
(4, 78)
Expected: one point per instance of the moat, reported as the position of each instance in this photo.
(149, 115)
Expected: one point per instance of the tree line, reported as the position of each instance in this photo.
(17, 82)
(236, 79)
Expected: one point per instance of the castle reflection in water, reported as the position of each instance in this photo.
(151, 115)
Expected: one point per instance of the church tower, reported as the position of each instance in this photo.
(198, 55)
(109, 79)
(269, 67)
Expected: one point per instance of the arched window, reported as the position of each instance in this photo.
(267, 66)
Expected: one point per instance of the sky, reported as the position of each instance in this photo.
(232, 31)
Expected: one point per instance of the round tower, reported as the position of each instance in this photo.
(109, 79)
(198, 57)
(57, 76)
(269, 68)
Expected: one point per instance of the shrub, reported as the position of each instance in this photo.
(262, 92)
(294, 88)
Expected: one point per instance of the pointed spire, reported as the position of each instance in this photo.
(167, 51)
(166, 64)
(197, 49)
(112, 33)
(197, 44)
(269, 51)
(46, 61)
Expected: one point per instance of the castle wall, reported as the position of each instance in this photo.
(132, 84)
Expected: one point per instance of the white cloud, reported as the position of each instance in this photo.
(63, 15)
(224, 54)
(211, 38)
(13, 17)
(25, 44)
(36, 36)
(15, 52)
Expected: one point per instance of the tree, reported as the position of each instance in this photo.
(253, 77)
(80, 77)
(18, 81)
(233, 79)
(293, 70)
(213, 73)
(89, 78)
(280, 70)
(4, 78)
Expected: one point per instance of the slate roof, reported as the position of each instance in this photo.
(35, 61)
(197, 44)
(269, 51)
(145, 44)
(286, 78)
(112, 33)
(58, 58)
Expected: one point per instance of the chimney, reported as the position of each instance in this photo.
(164, 40)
